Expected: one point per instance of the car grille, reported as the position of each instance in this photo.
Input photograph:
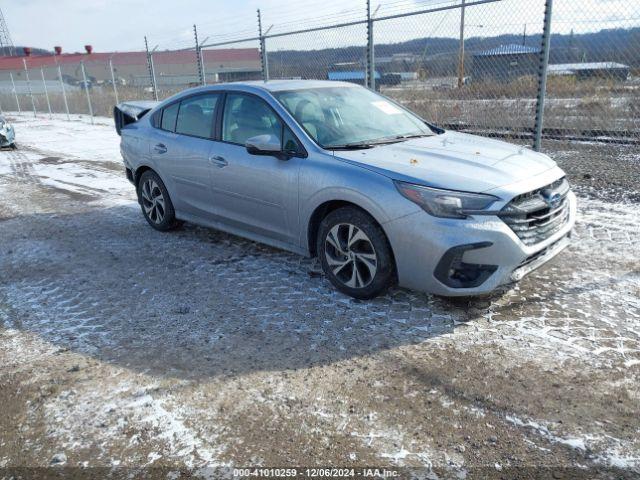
(538, 255)
(537, 215)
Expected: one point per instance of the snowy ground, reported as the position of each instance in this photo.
(127, 349)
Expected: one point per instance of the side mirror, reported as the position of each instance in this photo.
(264, 145)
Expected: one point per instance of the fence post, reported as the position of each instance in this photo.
(264, 62)
(199, 57)
(113, 79)
(152, 72)
(64, 92)
(542, 75)
(204, 66)
(15, 92)
(26, 72)
(46, 92)
(371, 63)
(461, 47)
(86, 89)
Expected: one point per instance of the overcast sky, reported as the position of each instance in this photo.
(111, 25)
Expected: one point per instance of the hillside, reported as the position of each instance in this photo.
(438, 55)
(19, 51)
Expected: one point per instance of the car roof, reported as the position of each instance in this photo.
(280, 85)
(271, 85)
(257, 86)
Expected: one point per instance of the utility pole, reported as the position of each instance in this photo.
(26, 72)
(263, 51)
(199, 58)
(461, 54)
(152, 72)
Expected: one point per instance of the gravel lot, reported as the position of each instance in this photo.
(160, 355)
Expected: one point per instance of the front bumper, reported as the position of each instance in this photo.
(420, 242)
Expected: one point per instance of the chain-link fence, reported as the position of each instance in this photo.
(234, 62)
(487, 83)
(472, 65)
(337, 53)
(594, 79)
(79, 85)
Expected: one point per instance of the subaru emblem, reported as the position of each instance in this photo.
(552, 199)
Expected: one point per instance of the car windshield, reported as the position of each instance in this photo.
(351, 117)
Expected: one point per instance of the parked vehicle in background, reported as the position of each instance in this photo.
(333, 170)
(7, 134)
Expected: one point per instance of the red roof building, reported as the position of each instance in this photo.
(172, 67)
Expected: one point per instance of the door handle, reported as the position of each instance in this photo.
(218, 161)
(160, 148)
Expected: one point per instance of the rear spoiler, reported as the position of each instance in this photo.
(130, 112)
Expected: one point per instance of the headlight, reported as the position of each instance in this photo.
(445, 203)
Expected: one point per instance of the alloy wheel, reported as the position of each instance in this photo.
(153, 201)
(350, 255)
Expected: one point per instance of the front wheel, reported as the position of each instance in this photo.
(355, 254)
(155, 202)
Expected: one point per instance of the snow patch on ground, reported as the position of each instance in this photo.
(139, 408)
(612, 450)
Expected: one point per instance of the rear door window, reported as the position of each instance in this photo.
(197, 116)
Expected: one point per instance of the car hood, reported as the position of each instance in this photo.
(453, 160)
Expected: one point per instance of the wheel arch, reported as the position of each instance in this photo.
(328, 206)
(137, 175)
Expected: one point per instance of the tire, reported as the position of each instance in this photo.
(155, 202)
(355, 254)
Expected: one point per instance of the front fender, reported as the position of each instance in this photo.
(334, 180)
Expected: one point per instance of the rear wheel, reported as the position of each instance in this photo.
(155, 202)
(355, 254)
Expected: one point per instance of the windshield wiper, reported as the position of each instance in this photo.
(364, 145)
(351, 146)
(380, 141)
(414, 135)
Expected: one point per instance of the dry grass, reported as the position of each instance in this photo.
(598, 104)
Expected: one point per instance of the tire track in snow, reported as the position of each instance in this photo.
(22, 168)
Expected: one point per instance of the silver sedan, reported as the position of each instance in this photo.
(334, 170)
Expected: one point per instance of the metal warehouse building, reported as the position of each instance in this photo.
(583, 71)
(505, 63)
